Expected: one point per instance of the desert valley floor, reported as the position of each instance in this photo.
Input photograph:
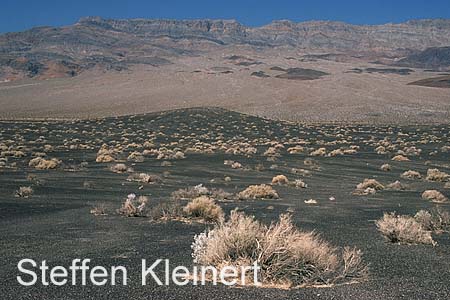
(220, 149)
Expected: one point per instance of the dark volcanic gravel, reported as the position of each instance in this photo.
(55, 224)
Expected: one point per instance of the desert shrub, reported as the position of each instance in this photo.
(144, 178)
(410, 174)
(280, 180)
(403, 229)
(200, 190)
(165, 211)
(134, 206)
(436, 175)
(396, 185)
(337, 152)
(40, 163)
(136, 157)
(385, 167)
(204, 208)
(262, 191)
(368, 186)
(436, 220)
(434, 196)
(296, 149)
(400, 158)
(319, 152)
(298, 183)
(120, 168)
(106, 154)
(24, 192)
(233, 164)
(286, 255)
(99, 210)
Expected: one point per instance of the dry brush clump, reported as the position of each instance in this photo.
(400, 158)
(280, 180)
(403, 230)
(144, 178)
(99, 210)
(410, 174)
(204, 208)
(134, 206)
(262, 191)
(287, 256)
(368, 186)
(434, 196)
(396, 186)
(106, 154)
(436, 175)
(385, 167)
(200, 190)
(121, 168)
(437, 220)
(24, 192)
(40, 163)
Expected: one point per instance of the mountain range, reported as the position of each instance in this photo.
(94, 42)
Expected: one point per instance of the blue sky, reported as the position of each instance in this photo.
(16, 15)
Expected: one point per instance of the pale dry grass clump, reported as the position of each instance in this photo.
(436, 175)
(286, 255)
(24, 192)
(434, 196)
(134, 206)
(368, 186)
(403, 230)
(262, 191)
(410, 174)
(400, 158)
(40, 163)
(204, 208)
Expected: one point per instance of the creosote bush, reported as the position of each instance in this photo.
(403, 230)
(286, 255)
(204, 208)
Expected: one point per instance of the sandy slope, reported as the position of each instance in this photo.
(340, 96)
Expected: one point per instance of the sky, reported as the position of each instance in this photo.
(18, 15)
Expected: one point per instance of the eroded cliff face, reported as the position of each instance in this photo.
(46, 52)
